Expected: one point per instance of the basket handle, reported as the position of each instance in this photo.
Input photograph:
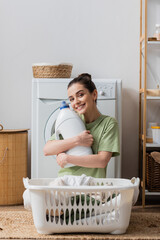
(1, 161)
(1, 127)
(26, 182)
(135, 181)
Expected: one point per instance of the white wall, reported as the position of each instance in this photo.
(100, 37)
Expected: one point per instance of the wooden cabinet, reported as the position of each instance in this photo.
(149, 82)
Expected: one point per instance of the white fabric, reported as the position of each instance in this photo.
(67, 180)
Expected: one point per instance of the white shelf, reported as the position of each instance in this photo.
(152, 193)
(153, 42)
(150, 145)
(153, 98)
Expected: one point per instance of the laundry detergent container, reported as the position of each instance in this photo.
(104, 207)
(156, 134)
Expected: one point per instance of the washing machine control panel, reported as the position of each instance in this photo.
(106, 91)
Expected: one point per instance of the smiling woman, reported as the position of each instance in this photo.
(82, 94)
(102, 133)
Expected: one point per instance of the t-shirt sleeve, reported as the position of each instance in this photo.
(110, 138)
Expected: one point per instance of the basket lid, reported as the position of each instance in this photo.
(13, 130)
(51, 64)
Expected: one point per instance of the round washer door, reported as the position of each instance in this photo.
(49, 128)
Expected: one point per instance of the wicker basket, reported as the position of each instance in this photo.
(153, 92)
(152, 174)
(52, 71)
(13, 165)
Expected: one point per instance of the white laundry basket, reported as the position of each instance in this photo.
(104, 208)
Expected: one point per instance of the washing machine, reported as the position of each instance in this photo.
(47, 95)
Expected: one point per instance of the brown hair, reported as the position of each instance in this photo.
(86, 80)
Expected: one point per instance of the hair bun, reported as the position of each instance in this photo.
(86, 75)
(84, 79)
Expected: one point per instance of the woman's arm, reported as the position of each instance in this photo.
(54, 147)
(99, 160)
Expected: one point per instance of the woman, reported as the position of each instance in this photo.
(101, 133)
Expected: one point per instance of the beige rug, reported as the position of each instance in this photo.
(17, 223)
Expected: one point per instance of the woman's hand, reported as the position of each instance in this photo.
(62, 159)
(85, 139)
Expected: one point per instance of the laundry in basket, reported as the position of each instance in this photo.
(105, 206)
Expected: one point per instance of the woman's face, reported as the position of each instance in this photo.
(82, 101)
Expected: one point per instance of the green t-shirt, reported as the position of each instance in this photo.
(106, 138)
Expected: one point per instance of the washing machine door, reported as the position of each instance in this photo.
(49, 128)
(48, 113)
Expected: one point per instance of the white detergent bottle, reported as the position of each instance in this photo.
(68, 125)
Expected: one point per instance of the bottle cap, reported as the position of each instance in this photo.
(64, 105)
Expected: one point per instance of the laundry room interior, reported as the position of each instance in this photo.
(102, 41)
(102, 38)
